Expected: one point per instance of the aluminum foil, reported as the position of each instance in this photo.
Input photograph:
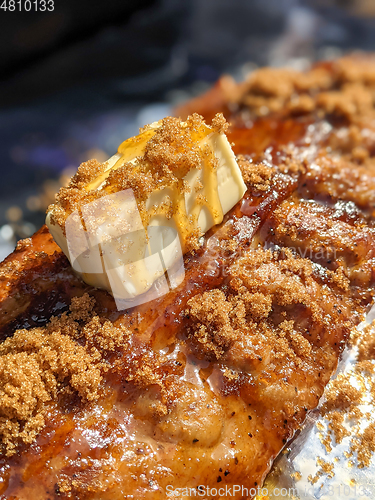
(299, 460)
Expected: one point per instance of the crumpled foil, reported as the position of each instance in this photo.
(288, 478)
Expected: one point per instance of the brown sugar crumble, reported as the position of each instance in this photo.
(326, 468)
(343, 401)
(334, 91)
(256, 176)
(297, 476)
(40, 365)
(214, 331)
(257, 309)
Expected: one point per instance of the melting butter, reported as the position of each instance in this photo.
(128, 262)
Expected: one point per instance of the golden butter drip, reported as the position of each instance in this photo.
(131, 149)
(211, 189)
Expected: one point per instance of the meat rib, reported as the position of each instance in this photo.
(204, 386)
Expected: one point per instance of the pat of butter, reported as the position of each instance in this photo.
(131, 244)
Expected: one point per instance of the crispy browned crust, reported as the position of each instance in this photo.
(214, 378)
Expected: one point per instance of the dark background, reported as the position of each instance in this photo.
(78, 80)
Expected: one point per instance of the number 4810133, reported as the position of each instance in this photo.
(27, 5)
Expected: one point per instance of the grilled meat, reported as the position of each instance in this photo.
(204, 386)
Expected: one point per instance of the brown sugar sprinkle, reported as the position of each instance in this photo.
(211, 312)
(341, 395)
(343, 401)
(366, 344)
(326, 468)
(87, 172)
(263, 285)
(364, 445)
(219, 124)
(301, 104)
(336, 420)
(40, 365)
(256, 176)
(23, 244)
(171, 152)
(297, 476)
(345, 90)
(230, 374)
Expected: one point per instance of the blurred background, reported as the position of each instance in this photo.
(79, 78)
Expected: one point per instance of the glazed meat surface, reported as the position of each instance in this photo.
(204, 386)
